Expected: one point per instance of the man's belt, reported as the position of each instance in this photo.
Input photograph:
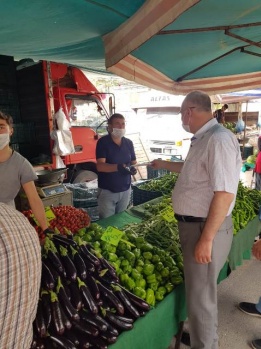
(181, 218)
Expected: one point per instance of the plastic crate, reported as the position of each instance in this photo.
(140, 195)
(93, 212)
(23, 133)
(83, 197)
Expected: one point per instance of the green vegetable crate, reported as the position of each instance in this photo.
(140, 195)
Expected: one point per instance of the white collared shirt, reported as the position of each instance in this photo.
(212, 164)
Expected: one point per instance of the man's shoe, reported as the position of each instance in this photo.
(185, 339)
(249, 308)
(256, 344)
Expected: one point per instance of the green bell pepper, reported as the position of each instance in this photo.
(141, 283)
(150, 297)
(139, 292)
(135, 274)
(147, 255)
(165, 272)
(151, 278)
(148, 269)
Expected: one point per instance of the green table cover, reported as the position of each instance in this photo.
(156, 329)
(243, 242)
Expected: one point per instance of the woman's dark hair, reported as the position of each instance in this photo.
(7, 118)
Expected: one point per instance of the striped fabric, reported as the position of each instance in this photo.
(20, 273)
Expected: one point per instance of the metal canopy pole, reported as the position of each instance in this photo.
(245, 130)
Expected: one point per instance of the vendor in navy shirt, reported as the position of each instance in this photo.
(115, 156)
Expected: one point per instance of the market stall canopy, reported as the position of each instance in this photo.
(66, 31)
(178, 46)
(170, 45)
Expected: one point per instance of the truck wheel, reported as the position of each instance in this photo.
(85, 176)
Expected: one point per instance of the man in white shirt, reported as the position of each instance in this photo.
(203, 199)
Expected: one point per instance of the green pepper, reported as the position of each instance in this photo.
(87, 238)
(158, 276)
(148, 269)
(141, 283)
(140, 292)
(130, 284)
(147, 255)
(154, 286)
(169, 287)
(124, 278)
(155, 259)
(96, 244)
(136, 252)
(169, 262)
(111, 257)
(127, 269)
(165, 272)
(125, 263)
(176, 280)
(140, 263)
(162, 289)
(159, 266)
(139, 268)
(122, 246)
(159, 295)
(139, 241)
(150, 297)
(146, 247)
(130, 257)
(174, 272)
(151, 278)
(135, 274)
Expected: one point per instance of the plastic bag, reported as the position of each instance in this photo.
(59, 162)
(240, 125)
(62, 123)
(63, 142)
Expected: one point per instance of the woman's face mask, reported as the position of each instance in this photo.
(118, 132)
(4, 140)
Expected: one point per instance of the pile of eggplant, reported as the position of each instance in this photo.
(81, 303)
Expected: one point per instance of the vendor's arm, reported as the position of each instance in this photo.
(257, 249)
(36, 204)
(172, 166)
(102, 166)
(217, 213)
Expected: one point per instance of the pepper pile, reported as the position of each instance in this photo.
(247, 206)
(82, 302)
(163, 184)
(146, 270)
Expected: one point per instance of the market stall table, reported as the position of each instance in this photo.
(156, 329)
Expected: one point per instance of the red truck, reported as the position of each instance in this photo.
(31, 92)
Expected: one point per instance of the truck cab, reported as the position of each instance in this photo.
(33, 92)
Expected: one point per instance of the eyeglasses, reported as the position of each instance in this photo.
(182, 111)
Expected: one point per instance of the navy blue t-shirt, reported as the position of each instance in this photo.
(115, 154)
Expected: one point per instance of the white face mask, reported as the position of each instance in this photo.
(186, 127)
(118, 132)
(4, 140)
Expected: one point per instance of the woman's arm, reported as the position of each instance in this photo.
(36, 204)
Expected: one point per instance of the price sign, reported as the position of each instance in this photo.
(168, 214)
(112, 235)
(48, 213)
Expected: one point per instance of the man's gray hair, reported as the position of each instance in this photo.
(199, 99)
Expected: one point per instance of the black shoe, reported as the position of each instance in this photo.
(185, 339)
(256, 344)
(249, 308)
